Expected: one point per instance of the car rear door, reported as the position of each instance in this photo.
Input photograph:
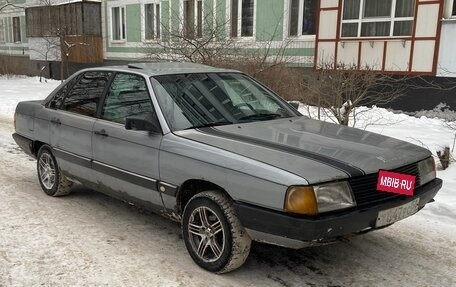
(126, 161)
(72, 120)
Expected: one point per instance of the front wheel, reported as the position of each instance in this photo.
(213, 234)
(52, 181)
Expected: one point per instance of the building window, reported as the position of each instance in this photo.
(302, 17)
(453, 12)
(242, 15)
(118, 23)
(152, 21)
(2, 31)
(16, 29)
(193, 18)
(373, 18)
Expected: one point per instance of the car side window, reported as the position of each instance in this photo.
(127, 96)
(60, 95)
(84, 96)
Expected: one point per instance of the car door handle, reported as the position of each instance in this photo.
(56, 121)
(101, 133)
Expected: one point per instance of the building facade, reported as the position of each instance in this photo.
(390, 36)
(133, 26)
(13, 39)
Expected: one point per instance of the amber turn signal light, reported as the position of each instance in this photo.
(301, 199)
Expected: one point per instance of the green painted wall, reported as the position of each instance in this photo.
(208, 16)
(8, 29)
(221, 17)
(133, 22)
(13, 48)
(164, 19)
(175, 16)
(269, 24)
(269, 20)
(8, 23)
(23, 30)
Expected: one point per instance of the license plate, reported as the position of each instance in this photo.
(392, 215)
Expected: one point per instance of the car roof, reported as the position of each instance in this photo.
(165, 68)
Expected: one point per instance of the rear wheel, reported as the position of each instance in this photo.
(52, 181)
(213, 234)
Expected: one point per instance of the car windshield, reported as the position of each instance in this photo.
(201, 100)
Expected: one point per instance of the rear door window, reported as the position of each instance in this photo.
(58, 98)
(83, 98)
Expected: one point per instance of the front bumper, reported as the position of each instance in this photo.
(299, 231)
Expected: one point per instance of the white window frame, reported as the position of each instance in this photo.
(143, 21)
(121, 24)
(392, 19)
(19, 27)
(300, 20)
(239, 20)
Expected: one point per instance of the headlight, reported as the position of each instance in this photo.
(311, 200)
(333, 196)
(426, 169)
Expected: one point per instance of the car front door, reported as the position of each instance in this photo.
(72, 117)
(126, 161)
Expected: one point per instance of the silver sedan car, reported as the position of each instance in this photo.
(223, 155)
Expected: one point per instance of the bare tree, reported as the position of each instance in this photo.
(206, 39)
(193, 39)
(8, 4)
(342, 90)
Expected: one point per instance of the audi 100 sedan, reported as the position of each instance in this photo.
(223, 155)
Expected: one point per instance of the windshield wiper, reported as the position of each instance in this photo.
(210, 124)
(261, 116)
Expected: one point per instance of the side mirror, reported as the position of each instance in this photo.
(142, 123)
(294, 104)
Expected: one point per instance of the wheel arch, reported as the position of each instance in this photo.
(36, 145)
(192, 187)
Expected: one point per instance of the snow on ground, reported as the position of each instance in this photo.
(21, 88)
(88, 239)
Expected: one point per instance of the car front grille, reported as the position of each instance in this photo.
(365, 187)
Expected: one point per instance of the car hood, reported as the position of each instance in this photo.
(315, 150)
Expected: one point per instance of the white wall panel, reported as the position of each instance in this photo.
(347, 54)
(44, 49)
(328, 24)
(423, 56)
(397, 56)
(446, 65)
(325, 54)
(372, 55)
(426, 24)
(329, 3)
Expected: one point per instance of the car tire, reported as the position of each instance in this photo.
(213, 235)
(52, 181)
